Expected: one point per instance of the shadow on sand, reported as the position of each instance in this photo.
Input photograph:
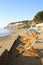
(4, 57)
(23, 60)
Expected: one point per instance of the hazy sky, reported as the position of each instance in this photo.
(16, 10)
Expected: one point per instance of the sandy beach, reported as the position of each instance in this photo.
(23, 59)
(27, 60)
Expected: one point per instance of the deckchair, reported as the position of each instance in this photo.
(27, 44)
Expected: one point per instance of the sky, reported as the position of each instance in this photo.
(18, 10)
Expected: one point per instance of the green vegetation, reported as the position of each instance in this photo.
(38, 17)
(28, 25)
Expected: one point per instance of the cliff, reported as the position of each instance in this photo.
(19, 25)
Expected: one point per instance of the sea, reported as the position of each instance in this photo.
(6, 32)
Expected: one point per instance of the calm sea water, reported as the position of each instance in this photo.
(5, 32)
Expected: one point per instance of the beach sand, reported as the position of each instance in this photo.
(27, 60)
(22, 59)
